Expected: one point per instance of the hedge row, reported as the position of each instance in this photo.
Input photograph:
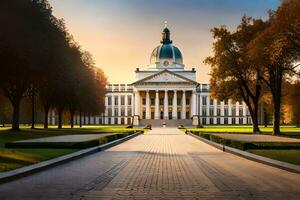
(69, 145)
(243, 145)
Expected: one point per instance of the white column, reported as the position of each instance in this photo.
(148, 113)
(229, 111)
(174, 109)
(166, 105)
(112, 105)
(119, 109)
(183, 105)
(215, 111)
(156, 111)
(193, 103)
(106, 110)
(136, 103)
(244, 113)
(126, 109)
(222, 112)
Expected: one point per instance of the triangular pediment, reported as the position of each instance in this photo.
(165, 77)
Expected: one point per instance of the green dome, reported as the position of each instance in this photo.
(166, 52)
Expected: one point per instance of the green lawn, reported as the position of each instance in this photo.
(290, 131)
(16, 158)
(290, 156)
(6, 135)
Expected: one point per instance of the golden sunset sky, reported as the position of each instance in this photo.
(121, 34)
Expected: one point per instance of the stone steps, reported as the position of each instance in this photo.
(169, 123)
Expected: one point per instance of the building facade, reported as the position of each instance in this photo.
(165, 92)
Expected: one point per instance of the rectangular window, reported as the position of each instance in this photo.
(211, 102)
(123, 112)
(218, 121)
(144, 101)
(152, 101)
(170, 101)
(187, 101)
(116, 112)
(109, 111)
(116, 100)
(225, 120)
(211, 120)
(226, 112)
(225, 102)
(129, 120)
(129, 100)
(240, 112)
(204, 113)
(233, 120)
(129, 112)
(218, 102)
(122, 100)
(109, 100)
(203, 121)
(211, 112)
(233, 112)
(218, 112)
(161, 101)
(204, 100)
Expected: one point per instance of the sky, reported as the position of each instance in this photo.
(121, 34)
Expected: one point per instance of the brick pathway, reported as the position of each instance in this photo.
(162, 164)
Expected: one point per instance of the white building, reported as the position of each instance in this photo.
(165, 92)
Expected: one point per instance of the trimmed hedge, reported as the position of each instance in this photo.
(68, 145)
(243, 145)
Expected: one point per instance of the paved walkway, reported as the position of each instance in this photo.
(162, 164)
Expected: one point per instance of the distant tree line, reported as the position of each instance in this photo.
(257, 59)
(39, 58)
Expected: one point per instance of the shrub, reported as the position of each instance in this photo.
(245, 145)
(148, 126)
(181, 126)
(68, 145)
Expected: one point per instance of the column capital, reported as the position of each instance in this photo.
(156, 91)
(183, 91)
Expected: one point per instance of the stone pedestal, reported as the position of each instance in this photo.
(195, 120)
(136, 120)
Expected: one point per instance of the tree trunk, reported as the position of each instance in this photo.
(59, 124)
(16, 115)
(276, 116)
(46, 111)
(255, 118)
(72, 119)
(84, 120)
(80, 120)
(32, 108)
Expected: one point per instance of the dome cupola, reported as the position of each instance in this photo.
(166, 54)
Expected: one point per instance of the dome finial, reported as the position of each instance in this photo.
(166, 35)
(166, 23)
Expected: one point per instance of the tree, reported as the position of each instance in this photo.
(233, 76)
(25, 24)
(291, 103)
(276, 50)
